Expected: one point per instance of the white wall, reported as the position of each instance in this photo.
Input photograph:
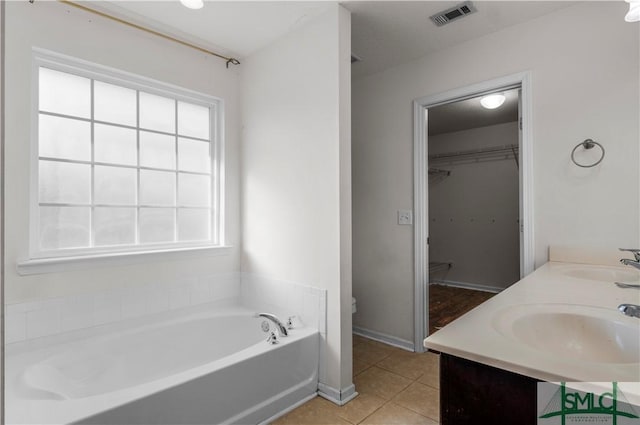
(295, 165)
(584, 67)
(67, 30)
(2, 310)
(473, 212)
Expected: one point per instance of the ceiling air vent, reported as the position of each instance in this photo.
(452, 14)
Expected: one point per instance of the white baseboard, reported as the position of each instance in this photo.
(339, 397)
(466, 285)
(387, 339)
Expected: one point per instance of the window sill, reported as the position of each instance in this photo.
(62, 264)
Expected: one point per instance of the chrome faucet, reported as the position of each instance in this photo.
(627, 285)
(629, 262)
(272, 339)
(282, 329)
(631, 310)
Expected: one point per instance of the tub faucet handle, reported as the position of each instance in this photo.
(272, 338)
(290, 322)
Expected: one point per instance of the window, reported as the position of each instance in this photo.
(123, 163)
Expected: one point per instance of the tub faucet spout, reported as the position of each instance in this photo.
(632, 263)
(635, 252)
(282, 329)
(631, 310)
(629, 262)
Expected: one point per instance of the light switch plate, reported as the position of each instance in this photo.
(405, 217)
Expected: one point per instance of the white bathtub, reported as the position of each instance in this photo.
(200, 368)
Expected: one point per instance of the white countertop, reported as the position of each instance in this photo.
(479, 335)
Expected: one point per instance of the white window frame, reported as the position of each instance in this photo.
(58, 62)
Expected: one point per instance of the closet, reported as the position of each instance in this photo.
(473, 204)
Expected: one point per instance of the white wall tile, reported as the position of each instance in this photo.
(249, 291)
(209, 282)
(107, 307)
(43, 318)
(23, 307)
(267, 291)
(15, 326)
(201, 292)
(295, 299)
(44, 322)
(322, 312)
(310, 308)
(308, 304)
(178, 295)
(133, 303)
(227, 286)
(76, 312)
(157, 298)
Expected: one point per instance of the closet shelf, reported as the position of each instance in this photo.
(435, 266)
(484, 154)
(438, 172)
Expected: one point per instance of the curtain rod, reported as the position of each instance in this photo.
(229, 60)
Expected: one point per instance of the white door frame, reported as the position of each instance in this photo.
(421, 184)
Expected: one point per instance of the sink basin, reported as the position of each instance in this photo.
(602, 273)
(573, 332)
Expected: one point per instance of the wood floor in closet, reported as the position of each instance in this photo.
(447, 303)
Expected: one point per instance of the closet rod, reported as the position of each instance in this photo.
(229, 60)
(434, 266)
(497, 150)
(434, 171)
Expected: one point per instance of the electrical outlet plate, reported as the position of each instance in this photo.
(405, 217)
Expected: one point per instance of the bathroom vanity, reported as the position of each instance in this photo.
(559, 324)
(474, 393)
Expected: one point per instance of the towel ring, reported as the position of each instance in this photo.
(587, 144)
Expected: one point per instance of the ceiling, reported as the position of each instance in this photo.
(384, 33)
(388, 33)
(233, 28)
(467, 114)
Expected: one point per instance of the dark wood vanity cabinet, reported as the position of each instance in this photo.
(473, 393)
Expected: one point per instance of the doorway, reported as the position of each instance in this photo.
(436, 167)
(473, 202)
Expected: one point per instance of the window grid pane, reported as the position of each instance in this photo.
(176, 193)
(92, 221)
(138, 165)
(64, 138)
(196, 222)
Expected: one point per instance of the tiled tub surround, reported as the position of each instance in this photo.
(29, 320)
(38, 330)
(307, 304)
(36, 319)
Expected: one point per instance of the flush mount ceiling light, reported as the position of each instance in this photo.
(192, 4)
(633, 15)
(492, 101)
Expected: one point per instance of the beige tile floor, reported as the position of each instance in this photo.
(394, 386)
